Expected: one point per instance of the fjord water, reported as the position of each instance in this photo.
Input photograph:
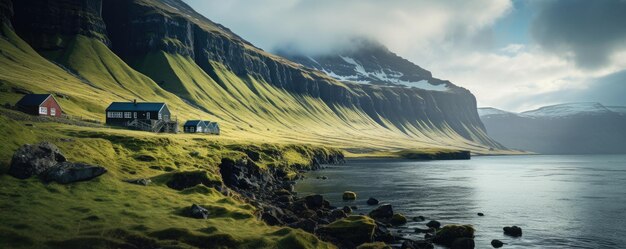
(570, 201)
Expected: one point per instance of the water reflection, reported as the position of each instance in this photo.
(559, 201)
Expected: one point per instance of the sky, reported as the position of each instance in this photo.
(514, 55)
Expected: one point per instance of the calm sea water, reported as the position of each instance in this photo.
(559, 201)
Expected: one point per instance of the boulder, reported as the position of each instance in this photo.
(355, 229)
(448, 234)
(463, 243)
(349, 195)
(420, 244)
(30, 160)
(67, 172)
(372, 201)
(198, 212)
(513, 231)
(338, 214)
(398, 219)
(434, 224)
(481, 214)
(347, 210)
(382, 212)
(314, 201)
(496, 243)
(308, 225)
(271, 219)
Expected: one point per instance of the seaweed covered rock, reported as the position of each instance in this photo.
(375, 245)
(382, 212)
(433, 224)
(30, 160)
(354, 229)
(448, 234)
(398, 219)
(67, 172)
(349, 195)
(188, 179)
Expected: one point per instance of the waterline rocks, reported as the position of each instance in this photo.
(372, 201)
(496, 243)
(433, 224)
(67, 172)
(30, 160)
(349, 195)
(382, 212)
(458, 235)
(351, 231)
(513, 231)
(398, 219)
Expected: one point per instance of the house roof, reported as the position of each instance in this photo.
(193, 122)
(139, 106)
(33, 99)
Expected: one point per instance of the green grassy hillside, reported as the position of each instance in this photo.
(110, 213)
(247, 108)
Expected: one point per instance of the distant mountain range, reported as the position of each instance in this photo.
(572, 128)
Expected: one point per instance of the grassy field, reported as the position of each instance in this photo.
(107, 212)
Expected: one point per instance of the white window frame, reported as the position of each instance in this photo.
(135, 115)
(115, 114)
(147, 115)
(43, 110)
(160, 116)
(53, 111)
(127, 114)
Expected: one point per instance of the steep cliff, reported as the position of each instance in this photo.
(253, 93)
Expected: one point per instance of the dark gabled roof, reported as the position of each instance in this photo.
(139, 106)
(193, 122)
(33, 99)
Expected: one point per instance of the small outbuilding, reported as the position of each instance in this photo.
(212, 128)
(40, 104)
(194, 126)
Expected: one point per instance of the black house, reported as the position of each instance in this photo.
(147, 116)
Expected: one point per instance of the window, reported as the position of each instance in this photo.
(191, 129)
(43, 110)
(134, 114)
(147, 115)
(114, 114)
(127, 114)
(160, 116)
(53, 111)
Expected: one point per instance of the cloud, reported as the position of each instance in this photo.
(324, 25)
(588, 32)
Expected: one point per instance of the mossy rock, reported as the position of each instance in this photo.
(398, 219)
(349, 195)
(449, 233)
(356, 229)
(375, 245)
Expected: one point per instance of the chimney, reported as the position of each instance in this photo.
(135, 101)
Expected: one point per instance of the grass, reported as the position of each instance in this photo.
(108, 212)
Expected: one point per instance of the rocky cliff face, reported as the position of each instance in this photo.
(135, 28)
(43, 23)
(6, 11)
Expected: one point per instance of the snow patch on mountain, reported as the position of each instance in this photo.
(569, 109)
(385, 75)
(485, 111)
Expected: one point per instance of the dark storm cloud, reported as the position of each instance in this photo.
(588, 31)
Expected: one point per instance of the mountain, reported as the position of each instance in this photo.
(92, 52)
(369, 62)
(572, 128)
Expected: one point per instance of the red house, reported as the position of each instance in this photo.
(40, 104)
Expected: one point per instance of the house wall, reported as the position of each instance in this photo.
(51, 104)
